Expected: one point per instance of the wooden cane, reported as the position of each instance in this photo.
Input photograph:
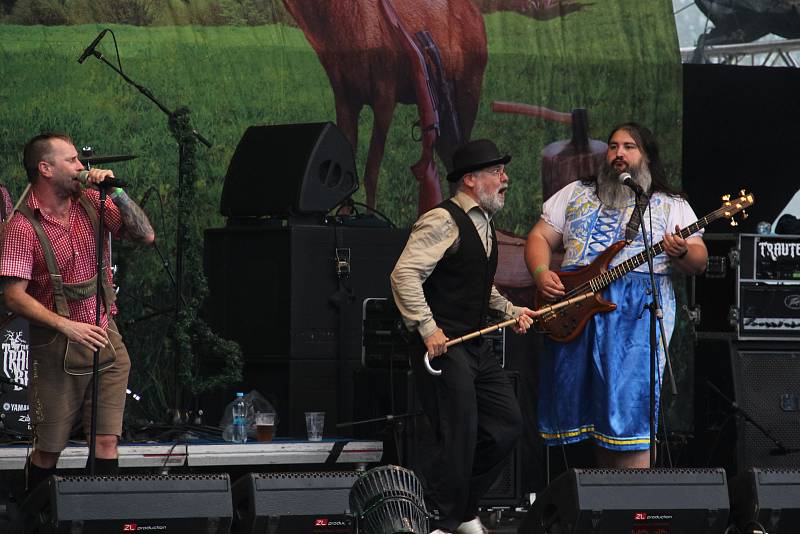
(500, 326)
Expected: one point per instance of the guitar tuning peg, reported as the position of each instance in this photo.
(742, 192)
(745, 214)
(734, 223)
(726, 198)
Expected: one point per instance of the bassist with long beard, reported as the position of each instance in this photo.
(597, 385)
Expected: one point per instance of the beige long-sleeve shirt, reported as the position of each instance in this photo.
(434, 235)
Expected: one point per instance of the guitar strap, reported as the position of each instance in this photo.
(632, 229)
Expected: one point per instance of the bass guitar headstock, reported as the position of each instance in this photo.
(731, 207)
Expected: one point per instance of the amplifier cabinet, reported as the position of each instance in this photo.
(766, 380)
(768, 288)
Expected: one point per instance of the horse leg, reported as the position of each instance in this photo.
(383, 110)
(347, 119)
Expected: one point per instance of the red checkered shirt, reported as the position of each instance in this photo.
(73, 246)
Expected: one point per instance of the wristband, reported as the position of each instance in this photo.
(541, 268)
(683, 254)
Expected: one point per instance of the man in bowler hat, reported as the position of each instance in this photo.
(443, 285)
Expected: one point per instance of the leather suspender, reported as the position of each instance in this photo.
(63, 292)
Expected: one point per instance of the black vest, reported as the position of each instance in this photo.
(458, 289)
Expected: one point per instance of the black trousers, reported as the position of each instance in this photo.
(476, 420)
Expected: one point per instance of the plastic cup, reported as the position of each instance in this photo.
(265, 426)
(315, 421)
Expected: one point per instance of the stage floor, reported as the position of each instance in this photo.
(331, 452)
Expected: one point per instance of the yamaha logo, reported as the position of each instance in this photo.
(14, 407)
(792, 302)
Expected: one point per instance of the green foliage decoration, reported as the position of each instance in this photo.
(193, 339)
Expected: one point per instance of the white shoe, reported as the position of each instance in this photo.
(438, 531)
(472, 527)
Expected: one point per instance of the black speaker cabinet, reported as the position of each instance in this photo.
(100, 505)
(293, 503)
(612, 501)
(292, 297)
(289, 169)
(296, 291)
(767, 385)
(766, 500)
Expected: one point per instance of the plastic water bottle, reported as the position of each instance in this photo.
(239, 419)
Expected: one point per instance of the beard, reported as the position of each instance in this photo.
(614, 193)
(490, 201)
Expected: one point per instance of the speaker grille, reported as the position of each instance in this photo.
(767, 386)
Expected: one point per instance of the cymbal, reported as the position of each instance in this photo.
(93, 160)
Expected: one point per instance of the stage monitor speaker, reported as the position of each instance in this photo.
(611, 501)
(289, 169)
(99, 505)
(766, 499)
(293, 503)
(766, 379)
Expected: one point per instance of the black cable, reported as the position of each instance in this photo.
(169, 455)
(116, 48)
(351, 202)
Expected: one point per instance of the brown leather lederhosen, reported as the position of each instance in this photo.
(62, 292)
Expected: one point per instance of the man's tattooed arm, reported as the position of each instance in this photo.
(135, 225)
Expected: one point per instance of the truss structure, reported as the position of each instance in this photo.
(783, 53)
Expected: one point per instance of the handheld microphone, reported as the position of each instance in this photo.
(90, 49)
(83, 178)
(625, 178)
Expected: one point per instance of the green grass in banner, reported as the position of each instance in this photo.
(233, 77)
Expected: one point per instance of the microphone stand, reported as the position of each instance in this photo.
(146, 92)
(780, 449)
(396, 423)
(656, 317)
(98, 296)
(187, 138)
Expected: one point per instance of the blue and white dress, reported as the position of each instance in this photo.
(598, 386)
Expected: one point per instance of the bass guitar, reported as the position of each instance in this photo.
(565, 322)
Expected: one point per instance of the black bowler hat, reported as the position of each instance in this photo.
(473, 156)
